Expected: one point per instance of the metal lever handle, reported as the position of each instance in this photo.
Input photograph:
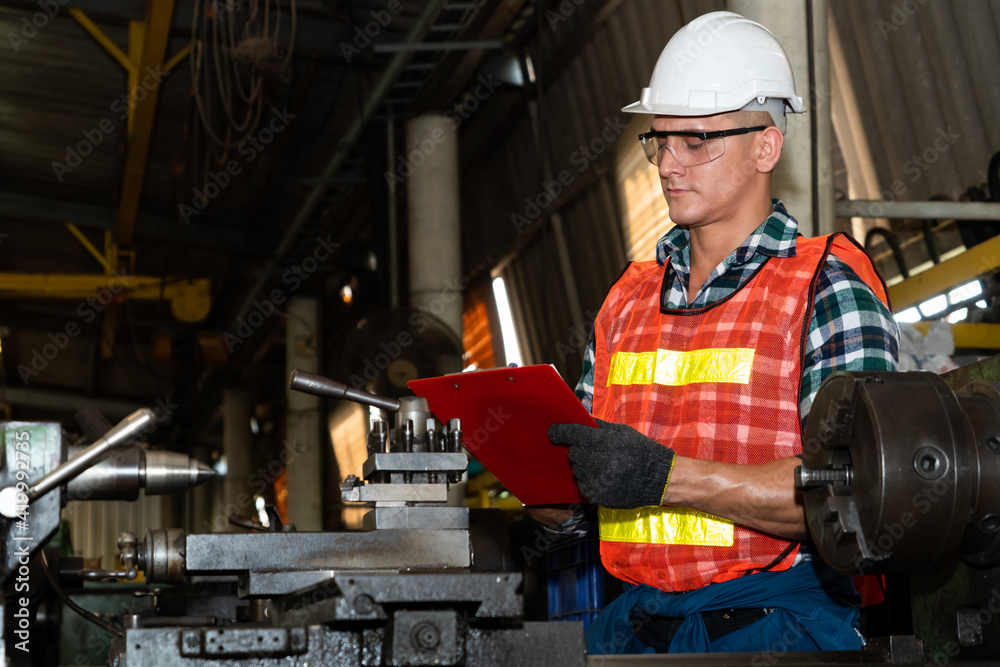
(14, 500)
(129, 545)
(317, 385)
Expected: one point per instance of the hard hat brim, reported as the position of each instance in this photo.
(792, 105)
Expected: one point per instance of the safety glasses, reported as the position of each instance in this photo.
(689, 148)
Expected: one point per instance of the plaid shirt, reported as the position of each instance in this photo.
(850, 330)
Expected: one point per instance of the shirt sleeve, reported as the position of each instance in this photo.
(585, 387)
(577, 524)
(850, 330)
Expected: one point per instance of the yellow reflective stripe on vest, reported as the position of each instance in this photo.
(664, 525)
(731, 365)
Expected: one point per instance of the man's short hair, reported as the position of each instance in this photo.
(746, 118)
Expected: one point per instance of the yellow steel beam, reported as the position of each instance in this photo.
(176, 59)
(85, 242)
(101, 38)
(146, 67)
(190, 300)
(976, 335)
(949, 274)
(109, 320)
(150, 68)
(136, 39)
(968, 334)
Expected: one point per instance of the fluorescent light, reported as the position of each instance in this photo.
(965, 292)
(935, 305)
(982, 304)
(908, 316)
(511, 351)
(958, 315)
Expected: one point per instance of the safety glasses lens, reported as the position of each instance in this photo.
(687, 151)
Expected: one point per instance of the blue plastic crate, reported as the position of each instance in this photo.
(575, 580)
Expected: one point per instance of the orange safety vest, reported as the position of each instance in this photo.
(720, 383)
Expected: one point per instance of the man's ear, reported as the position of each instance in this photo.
(769, 143)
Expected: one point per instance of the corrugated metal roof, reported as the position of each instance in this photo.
(928, 92)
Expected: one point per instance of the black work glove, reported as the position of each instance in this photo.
(615, 465)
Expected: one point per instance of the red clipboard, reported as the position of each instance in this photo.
(506, 414)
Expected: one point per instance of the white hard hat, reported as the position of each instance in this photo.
(720, 62)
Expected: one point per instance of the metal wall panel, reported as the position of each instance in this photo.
(928, 92)
(95, 524)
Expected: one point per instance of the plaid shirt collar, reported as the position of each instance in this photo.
(775, 237)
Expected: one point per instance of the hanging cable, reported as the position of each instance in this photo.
(88, 615)
(235, 46)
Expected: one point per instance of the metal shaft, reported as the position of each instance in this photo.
(122, 433)
(318, 385)
(120, 476)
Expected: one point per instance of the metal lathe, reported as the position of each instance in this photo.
(900, 477)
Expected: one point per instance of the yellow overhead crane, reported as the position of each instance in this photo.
(190, 300)
(974, 262)
(147, 45)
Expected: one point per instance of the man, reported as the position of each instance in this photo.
(703, 366)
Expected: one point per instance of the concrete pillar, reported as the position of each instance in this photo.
(302, 430)
(432, 188)
(237, 497)
(804, 177)
(825, 219)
